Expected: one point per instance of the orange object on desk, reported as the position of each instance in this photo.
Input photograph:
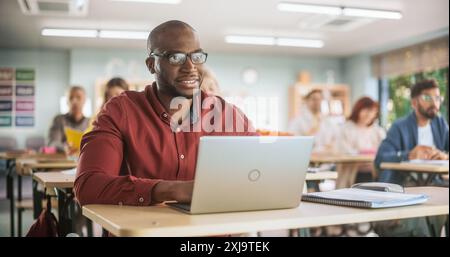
(263, 132)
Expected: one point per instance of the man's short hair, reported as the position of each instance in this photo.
(312, 92)
(419, 87)
(154, 34)
(76, 88)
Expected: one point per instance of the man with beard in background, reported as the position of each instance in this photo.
(423, 134)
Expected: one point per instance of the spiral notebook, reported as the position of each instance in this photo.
(362, 198)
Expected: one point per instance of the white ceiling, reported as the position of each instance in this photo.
(213, 19)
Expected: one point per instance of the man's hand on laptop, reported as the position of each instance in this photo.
(180, 191)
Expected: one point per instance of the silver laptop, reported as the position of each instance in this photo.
(248, 173)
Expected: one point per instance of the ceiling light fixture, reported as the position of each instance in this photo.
(339, 10)
(89, 33)
(272, 41)
(309, 8)
(299, 42)
(123, 34)
(250, 40)
(151, 1)
(372, 13)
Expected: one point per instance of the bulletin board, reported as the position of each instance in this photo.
(17, 97)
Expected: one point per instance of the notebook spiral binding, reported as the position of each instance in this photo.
(360, 204)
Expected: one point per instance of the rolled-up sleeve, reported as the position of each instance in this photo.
(98, 179)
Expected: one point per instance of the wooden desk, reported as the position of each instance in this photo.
(321, 175)
(14, 165)
(61, 180)
(346, 166)
(54, 179)
(25, 167)
(416, 167)
(29, 154)
(9, 156)
(421, 169)
(359, 158)
(163, 221)
(63, 184)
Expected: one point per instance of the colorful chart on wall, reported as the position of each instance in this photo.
(17, 97)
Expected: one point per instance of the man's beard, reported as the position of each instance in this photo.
(429, 113)
(172, 89)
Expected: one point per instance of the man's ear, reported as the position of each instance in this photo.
(150, 62)
(414, 102)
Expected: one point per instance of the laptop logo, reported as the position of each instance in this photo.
(254, 175)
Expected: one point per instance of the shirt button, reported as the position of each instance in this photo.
(182, 156)
(178, 130)
(141, 199)
(165, 115)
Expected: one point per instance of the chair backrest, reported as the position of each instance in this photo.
(35, 143)
(8, 143)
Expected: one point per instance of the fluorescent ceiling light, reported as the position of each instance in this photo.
(70, 32)
(299, 42)
(338, 10)
(250, 40)
(122, 34)
(309, 8)
(271, 41)
(151, 1)
(372, 13)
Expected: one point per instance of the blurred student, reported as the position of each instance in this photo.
(423, 134)
(74, 119)
(360, 134)
(312, 122)
(115, 87)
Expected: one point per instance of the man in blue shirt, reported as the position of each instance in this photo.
(423, 134)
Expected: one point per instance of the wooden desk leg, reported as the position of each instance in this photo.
(105, 233)
(65, 212)
(420, 179)
(90, 228)
(352, 174)
(446, 228)
(19, 210)
(429, 179)
(346, 175)
(342, 176)
(37, 200)
(10, 194)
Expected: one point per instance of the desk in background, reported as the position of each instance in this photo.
(421, 169)
(346, 166)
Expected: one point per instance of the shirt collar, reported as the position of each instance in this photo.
(195, 110)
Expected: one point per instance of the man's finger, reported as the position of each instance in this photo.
(435, 155)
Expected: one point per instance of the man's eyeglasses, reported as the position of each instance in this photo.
(429, 98)
(180, 58)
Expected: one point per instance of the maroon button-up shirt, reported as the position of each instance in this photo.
(133, 146)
